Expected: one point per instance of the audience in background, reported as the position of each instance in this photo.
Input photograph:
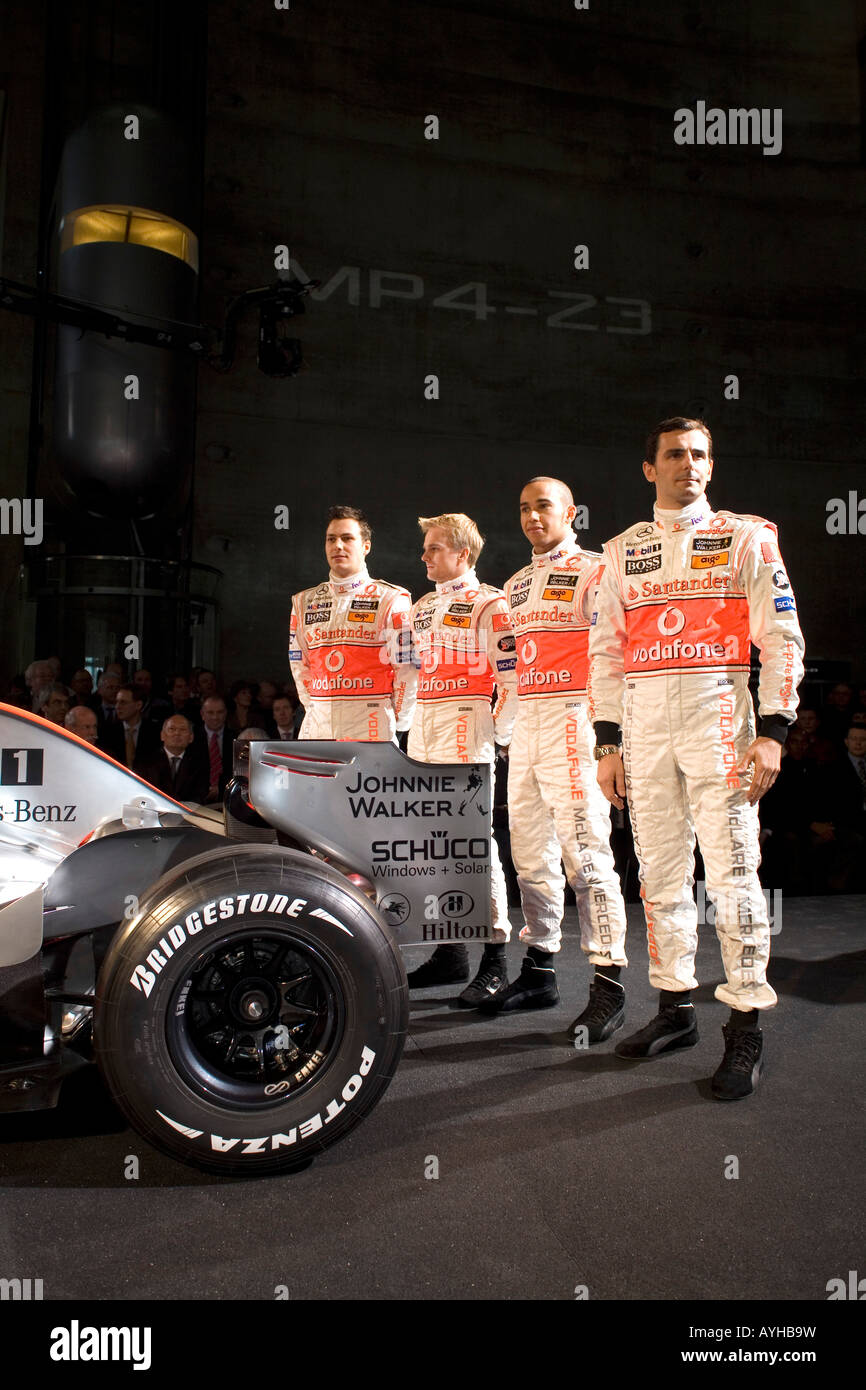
(179, 769)
(52, 702)
(243, 706)
(204, 683)
(130, 738)
(267, 694)
(81, 686)
(787, 811)
(106, 688)
(813, 821)
(181, 698)
(839, 820)
(836, 715)
(285, 722)
(818, 749)
(82, 720)
(215, 741)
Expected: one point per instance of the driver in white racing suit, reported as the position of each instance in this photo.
(682, 599)
(349, 643)
(555, 809)
(462, 640)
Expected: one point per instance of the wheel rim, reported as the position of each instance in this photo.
(256, 1019)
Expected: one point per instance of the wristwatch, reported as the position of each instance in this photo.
(603, 749)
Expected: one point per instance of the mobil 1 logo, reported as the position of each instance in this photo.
(21, 767)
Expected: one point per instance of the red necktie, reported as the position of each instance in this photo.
(216, 761)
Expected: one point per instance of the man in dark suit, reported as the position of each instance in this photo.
(81, 685)
(130, 739)
(107, 688)
(283, 725)
(839, 826)
(182, 701)
(179, 769)
(215, 741)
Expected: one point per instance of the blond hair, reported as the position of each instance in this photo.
(460, 530)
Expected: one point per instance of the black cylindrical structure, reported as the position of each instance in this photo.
(124, 412)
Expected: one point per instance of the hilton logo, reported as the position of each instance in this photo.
(455, 905)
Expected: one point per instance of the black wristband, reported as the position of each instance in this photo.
(606, 731)
(774, 726)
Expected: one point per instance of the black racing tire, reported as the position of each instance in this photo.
(239, 1038)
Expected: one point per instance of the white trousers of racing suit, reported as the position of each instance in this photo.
(676, 785)
(556, 811)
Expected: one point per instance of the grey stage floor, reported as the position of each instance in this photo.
(557, 1169)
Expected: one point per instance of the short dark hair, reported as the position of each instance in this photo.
(135, 691)
(676, 423)
(352, 514)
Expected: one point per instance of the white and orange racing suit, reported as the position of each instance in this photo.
(463, 642)
(682, 599)
(351, 659)
(556, 811)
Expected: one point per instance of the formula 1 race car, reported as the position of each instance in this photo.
(235, 973)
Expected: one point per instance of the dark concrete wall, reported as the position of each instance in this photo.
(556, 128)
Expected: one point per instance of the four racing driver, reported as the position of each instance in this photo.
(649, 644)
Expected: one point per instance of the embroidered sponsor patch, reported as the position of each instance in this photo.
(356, 617)
(707, 543)
(708, 562)
(652, 562)
(517, 599)
(635, 551)
(780, 580)
(559, 595)
(506, 644)
(455, 620)
(769, 553)
(783, 605)
(500, 622)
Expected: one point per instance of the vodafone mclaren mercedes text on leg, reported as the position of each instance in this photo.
(682, 599)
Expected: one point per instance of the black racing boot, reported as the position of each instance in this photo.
(674, 1026)
(490, 981)
(448, 965)
(604, 1013)
(742, 1063)
(534, 988)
